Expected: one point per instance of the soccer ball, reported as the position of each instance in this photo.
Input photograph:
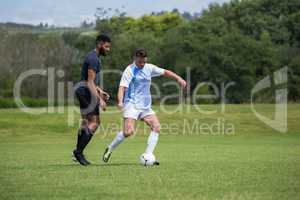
(147, 159)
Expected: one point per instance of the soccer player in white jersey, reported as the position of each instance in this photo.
(134, 99)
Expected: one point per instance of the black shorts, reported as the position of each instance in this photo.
(88, 103)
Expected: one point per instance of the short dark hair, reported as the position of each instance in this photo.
(140, 53)
(102, 38)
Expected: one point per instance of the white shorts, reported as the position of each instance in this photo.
(130, 111)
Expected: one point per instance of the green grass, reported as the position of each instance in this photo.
(30, 102)
(255, 162)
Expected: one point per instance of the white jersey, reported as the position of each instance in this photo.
(138, 83)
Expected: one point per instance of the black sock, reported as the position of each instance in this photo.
(79, 136)
(83, 138)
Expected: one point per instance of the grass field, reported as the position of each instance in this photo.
(255, 162)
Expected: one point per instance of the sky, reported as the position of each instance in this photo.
(73, 12)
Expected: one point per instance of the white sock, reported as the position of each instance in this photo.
(152, 141)
(116, 141)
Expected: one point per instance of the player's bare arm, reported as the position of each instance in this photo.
(174, 76)
(93, 88)
(121, 96)
(104, 95)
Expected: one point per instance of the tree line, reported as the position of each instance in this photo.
(242, 41)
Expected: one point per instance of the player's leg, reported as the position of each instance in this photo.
(128, 130)
(88, 127)
(130, 115)
(83, 137)
(153, 122)
(93, 122)
(90, 122)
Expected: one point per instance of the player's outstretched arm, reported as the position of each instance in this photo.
(174, 76)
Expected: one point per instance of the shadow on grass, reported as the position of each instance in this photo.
(117, 164)
(95, 165)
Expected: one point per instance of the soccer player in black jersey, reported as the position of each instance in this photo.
(90, 96)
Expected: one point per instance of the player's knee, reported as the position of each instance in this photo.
(156, 128)
(128, 131)
(93, 127)
(84, 123)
